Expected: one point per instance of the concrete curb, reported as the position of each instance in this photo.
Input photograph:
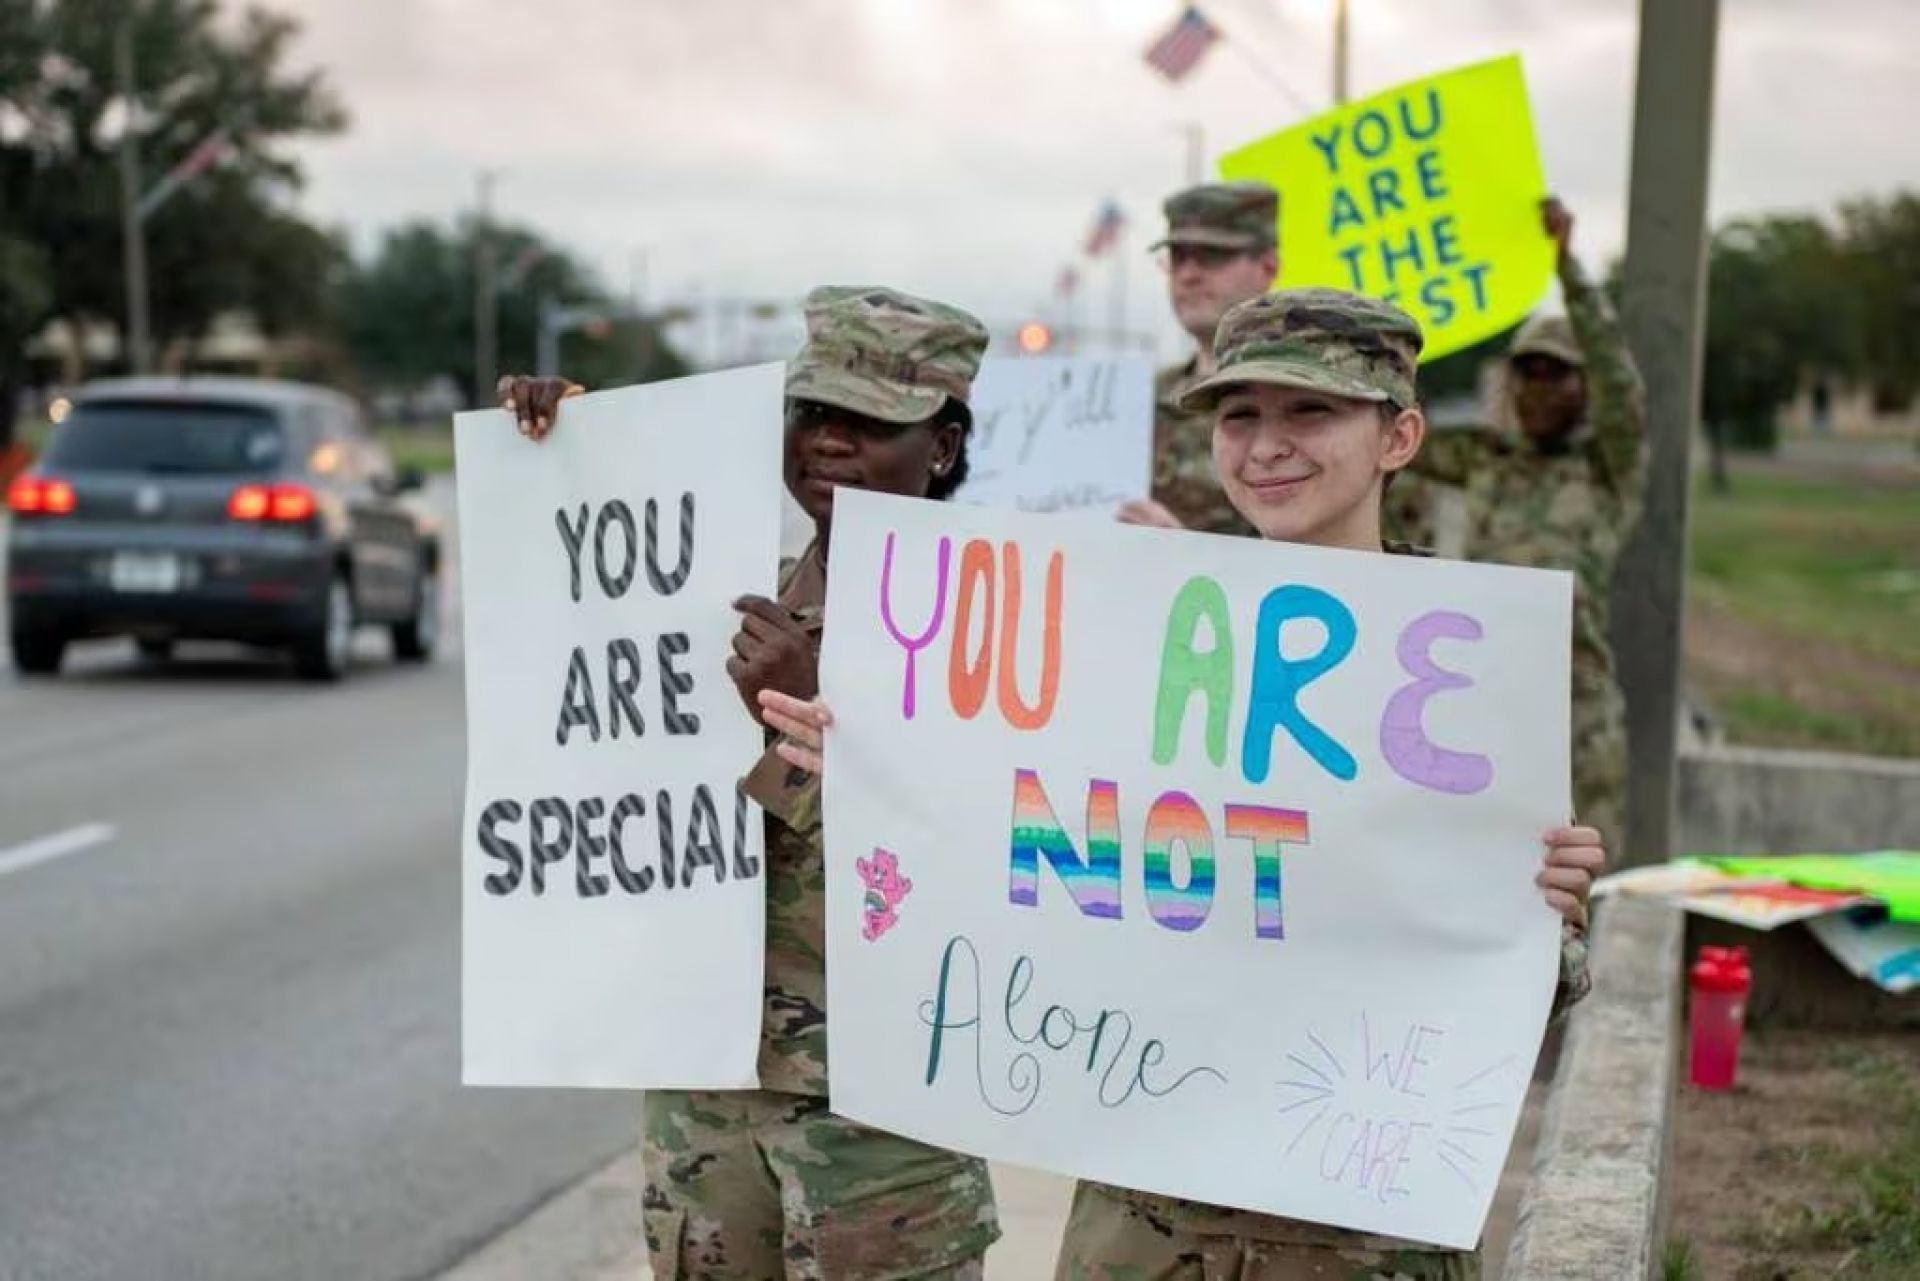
(1596, 1206)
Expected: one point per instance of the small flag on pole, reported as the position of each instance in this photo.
(1106, 229)
(516, 273)
(213, 149)
(1068, 283)
(1180, 49)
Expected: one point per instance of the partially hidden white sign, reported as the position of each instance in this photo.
(1061, 433)
(1197, 865)
(611, 873)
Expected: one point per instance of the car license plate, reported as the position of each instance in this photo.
(144, 572)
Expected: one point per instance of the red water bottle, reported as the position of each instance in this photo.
(1720, 982)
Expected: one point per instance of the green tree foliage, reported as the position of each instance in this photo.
(227, 240)
(1793, 300)
(410, 311)
(1880, 246)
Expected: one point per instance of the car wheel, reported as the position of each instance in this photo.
(155, 649)
(321, 653)
(37, 652)
(415, 638)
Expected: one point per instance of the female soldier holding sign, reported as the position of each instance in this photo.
(760, 1184)
(1312, 406)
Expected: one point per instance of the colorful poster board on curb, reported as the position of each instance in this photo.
(1427, 195)
(1757, 902)
(1891, 876)
(1050, 434)
(1193, 864)
(1884, 952)
(611, 874)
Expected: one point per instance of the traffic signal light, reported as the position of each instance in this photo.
(1034, 338)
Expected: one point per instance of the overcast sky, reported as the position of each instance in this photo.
(960, 147)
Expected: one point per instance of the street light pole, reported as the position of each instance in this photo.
(485, 308)
(1339, 52)
(133, 234)
(1662, 306)
(1196, 151)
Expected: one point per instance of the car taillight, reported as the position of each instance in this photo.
(291, 502)
(37, 496)
(287, 503)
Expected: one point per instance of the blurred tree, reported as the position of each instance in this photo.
(227, 239)
(1780, 308)
(409, 311)
(1880, 243)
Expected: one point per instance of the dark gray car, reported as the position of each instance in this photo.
(222, 509)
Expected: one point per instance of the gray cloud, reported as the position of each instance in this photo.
(961, 146)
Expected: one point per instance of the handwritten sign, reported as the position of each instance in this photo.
(1198, 865)
(1061, 433)
(1427, 195)
(1050, 434)
(611, 872)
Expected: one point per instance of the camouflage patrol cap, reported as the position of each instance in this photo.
(1544, 335)
(885, 354)
(1225, 215)
(1316, 339)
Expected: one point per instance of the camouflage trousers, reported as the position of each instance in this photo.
(756, 1186)
(1114, 1235)
(1600, 764)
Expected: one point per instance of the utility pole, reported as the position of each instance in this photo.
(486, 312)
(636, 309)
(133, 233)
(1663, 301)
(1339, 52)
(1196, 151)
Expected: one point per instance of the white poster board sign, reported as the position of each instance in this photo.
(1061, 433)
(611, 875)
(1050, 434)
(1193, 864)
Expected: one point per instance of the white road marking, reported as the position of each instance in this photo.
(47, 848)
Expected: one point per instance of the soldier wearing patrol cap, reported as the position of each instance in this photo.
(1220, 249)
(1564, 491)
(755, 1185)
(1312, 407)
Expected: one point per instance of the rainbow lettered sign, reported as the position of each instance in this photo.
(1427, 195)
(1194, 864)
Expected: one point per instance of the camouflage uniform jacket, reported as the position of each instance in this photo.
(1569, 506)
(1184, 481)
(793, 1032)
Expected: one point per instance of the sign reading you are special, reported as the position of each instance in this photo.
(611, 871)
(1427, 195)
(1197, 865)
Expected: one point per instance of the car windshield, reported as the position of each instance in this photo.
(169, 436)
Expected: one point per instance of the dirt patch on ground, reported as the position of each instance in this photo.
(1787, 1176)
(1725, 650)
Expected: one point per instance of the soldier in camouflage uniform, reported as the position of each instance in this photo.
(1563, 492)
(1220, 249)
(1313, 407)
(755, 1185)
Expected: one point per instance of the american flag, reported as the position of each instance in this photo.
(1180, 49)
(1106, 229)
(212, 150)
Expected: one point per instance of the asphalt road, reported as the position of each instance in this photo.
(229, 981)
